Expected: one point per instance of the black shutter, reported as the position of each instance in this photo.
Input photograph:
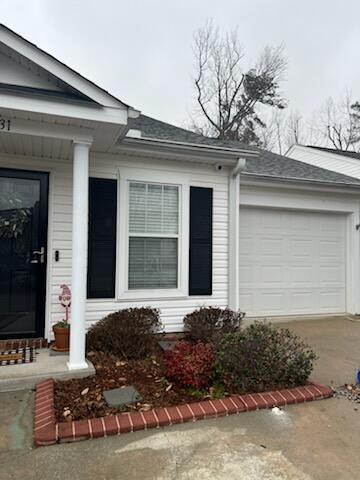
(200, 267)
(102, 238)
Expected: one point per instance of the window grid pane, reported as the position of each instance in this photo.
(154, 209)
(152, 263)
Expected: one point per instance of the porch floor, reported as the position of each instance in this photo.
(27, 375)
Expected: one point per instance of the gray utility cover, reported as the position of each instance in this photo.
(167, 345)
(121, 396)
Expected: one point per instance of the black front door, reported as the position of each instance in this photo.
(23, 233)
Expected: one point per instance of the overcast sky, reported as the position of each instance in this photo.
(140, 50)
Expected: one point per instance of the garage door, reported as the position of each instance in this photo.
(291, 262)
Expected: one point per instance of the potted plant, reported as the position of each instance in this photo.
(62, 329)
(62, 336)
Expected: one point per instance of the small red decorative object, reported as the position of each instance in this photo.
(65, 300)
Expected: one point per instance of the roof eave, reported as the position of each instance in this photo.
(173, 149)
(304, 181)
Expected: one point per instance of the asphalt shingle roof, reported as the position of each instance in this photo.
(267, 164)
(274, 165)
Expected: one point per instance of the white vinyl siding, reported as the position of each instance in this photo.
(330, 161)
(172, 307)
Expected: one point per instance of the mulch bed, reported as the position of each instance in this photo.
(82, 398)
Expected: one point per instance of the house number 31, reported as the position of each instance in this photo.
(5, 124)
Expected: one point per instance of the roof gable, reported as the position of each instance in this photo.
(51, 75)
(19, 73)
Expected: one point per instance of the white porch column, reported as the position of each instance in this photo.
(79, 255)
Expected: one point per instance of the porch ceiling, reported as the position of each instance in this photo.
(45, 135)
(17, 144)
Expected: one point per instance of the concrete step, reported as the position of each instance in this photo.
(27, 375)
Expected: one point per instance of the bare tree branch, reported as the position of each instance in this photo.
(228, 96)
(339, 123)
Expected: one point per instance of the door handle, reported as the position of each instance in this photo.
(41, 255)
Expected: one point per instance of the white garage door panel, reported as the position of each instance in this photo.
(291, 262)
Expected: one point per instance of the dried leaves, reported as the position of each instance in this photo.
(82, 398)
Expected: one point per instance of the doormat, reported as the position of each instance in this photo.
(17, 356)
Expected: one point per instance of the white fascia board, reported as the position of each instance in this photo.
(49, 130)
(132, 113)
(240, 152)
(182, 151)
(276, 182)
(133, 133)
(58, 69)
(68, 110)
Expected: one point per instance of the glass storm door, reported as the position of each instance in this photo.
(23, 232)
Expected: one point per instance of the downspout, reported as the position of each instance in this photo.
(234, 233)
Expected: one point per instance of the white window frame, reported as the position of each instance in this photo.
(126, 176)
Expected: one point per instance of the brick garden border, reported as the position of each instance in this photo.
(47, 431)
(22, 343)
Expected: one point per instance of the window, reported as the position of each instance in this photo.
(153, 236)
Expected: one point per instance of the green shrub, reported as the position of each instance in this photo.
(262, 358)
(210, 324)
(127, 333)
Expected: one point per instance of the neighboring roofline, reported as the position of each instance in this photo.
(92, 85)
(293, 146)
(274, 178)
(286, 154)
(331, 150)
(154, 142)
(323, 153)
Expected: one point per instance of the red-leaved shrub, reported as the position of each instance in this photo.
(191, 365)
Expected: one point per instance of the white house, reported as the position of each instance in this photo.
(132, 211)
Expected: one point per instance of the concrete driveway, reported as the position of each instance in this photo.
(336, 340)
(316, 441)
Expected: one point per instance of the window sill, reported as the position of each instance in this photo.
(151, 295)
(143, 295)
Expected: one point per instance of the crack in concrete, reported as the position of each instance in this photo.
(174, 456)
(17, 431)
